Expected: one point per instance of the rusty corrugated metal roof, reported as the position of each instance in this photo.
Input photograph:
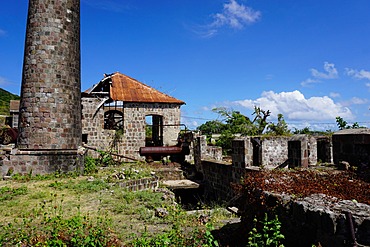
(127, 89)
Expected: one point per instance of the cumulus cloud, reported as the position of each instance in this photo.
(294, 106)
(330, 72)
(358, 74)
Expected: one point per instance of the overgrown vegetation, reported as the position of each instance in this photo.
(91, 210)
(234, 123)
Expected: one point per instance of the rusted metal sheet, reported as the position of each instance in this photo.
(126, 89)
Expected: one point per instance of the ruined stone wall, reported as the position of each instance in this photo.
(135, 115)
(274, 151)
(41, 162)
(353, 148)
(316, 219)
(306, 221)
(217, 177)
(93, 126)
(133, 136)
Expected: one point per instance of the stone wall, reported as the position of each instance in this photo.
(219, 175)
(306, 221)
(139, 184)
(352, 146)
(275, 150)
(41, 162)
(316, 219)
(133, 136)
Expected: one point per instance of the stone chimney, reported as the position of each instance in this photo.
(50, 108)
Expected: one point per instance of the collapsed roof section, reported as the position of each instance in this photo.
(120, 87)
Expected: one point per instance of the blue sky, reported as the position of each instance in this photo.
(308, 60)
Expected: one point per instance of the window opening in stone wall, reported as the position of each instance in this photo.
(154, 131)
(294, 154)
(257, 151)
(113, 115)
(84, 138)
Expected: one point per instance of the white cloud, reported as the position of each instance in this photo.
(359, 101)
(294, 106)
(334, 95)
(2, 32)
(368, 85)
(235, 15)
(362, 74)
(309, 81)
(330, 72)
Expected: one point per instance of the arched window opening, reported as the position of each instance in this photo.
(154, 131)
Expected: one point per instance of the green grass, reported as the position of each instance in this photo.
(71, 210)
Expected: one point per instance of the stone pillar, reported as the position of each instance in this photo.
(50, 108)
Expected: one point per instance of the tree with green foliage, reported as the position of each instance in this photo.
(281, 128)
(211, 127)
(234, 123)
(342, 124)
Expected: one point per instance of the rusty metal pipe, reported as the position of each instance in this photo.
(148, 151)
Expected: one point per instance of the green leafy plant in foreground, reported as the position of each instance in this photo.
(269, 235)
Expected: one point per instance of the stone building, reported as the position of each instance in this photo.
(121, 114)
(14, 114)
(352, 146)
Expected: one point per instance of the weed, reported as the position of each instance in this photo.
(90, 166)
(270, 236)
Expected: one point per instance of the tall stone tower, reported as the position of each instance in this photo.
(50, 107)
